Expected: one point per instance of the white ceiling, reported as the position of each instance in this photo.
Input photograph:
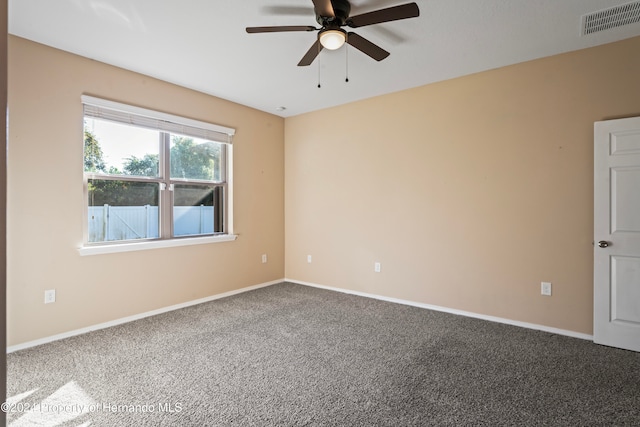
(202, 44)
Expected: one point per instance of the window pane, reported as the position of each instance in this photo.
(193, 158)
(193, 210)
(122, 210)
(119, 149)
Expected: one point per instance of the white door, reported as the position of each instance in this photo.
(616, 305)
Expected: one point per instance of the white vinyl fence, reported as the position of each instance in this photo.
(107, 223)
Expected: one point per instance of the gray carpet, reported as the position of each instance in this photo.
(290, 355)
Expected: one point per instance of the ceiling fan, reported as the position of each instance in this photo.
(332, 15)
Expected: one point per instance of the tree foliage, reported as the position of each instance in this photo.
(146, 166)
(194, 161)
(93, 156)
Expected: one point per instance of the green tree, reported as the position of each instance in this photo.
(194, 161)
(146, 166)
(93, 156)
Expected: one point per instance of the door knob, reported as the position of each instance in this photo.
(603, 244)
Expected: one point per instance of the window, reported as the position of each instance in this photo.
(150, 176)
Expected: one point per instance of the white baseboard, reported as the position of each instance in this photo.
(135, 317)
(453, 311)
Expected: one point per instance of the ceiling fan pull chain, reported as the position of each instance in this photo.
(319, 86)
(346, 49)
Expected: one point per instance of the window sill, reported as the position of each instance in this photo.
(153, 244)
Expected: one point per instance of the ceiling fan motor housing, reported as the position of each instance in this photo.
(341, 9)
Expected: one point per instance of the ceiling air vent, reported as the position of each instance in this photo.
(611, 18)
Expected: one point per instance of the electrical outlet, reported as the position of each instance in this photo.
(264, 258)
(545, 288)
(309, 259)
(49, 296)
(376, 267)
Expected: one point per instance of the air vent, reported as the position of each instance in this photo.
(611, 18)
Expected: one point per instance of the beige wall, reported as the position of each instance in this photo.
(470, 192)
(46, 205)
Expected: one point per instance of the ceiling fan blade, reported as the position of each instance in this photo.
(288, 10)
(324, 8)
(311, 54)
(404, 11)
(365, 46)
(279, 29)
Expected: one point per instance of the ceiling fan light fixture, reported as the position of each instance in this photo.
(332, 39)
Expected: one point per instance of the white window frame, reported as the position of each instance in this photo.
(169, 123)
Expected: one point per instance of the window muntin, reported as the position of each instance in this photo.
(146, 183)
